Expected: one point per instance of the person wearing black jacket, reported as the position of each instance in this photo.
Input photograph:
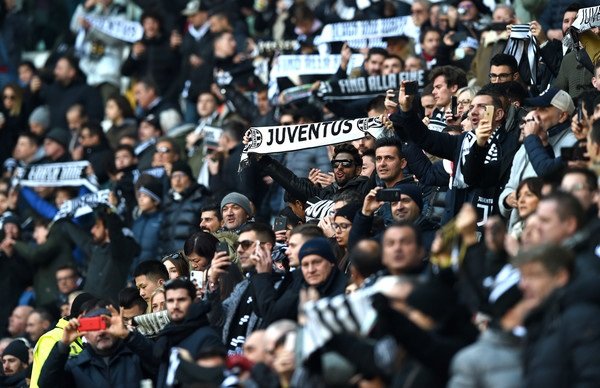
(109, 251)
(154, 56)
(113, 357)
(562, 346)
(96, 149)
(346, 163)
(181, 211)
(477, 155)
(318, 270)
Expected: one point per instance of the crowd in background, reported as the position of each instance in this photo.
(458, 246)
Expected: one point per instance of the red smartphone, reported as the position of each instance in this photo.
(91, 324)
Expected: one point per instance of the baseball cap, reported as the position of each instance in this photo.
(553, 97)
(193, 7)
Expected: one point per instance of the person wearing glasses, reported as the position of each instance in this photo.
(238, 315)
(503, 68)
(346, 164)
(342, 225)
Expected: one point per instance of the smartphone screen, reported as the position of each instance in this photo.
(454, 105)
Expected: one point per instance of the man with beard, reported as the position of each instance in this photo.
(109, 250)
(112, 357)
(346, 164)
(15, 360)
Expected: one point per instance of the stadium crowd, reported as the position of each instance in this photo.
(335, 193)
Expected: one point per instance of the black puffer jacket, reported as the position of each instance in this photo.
(181, 217)
(563, 338)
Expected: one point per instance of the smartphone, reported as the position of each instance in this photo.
(280, 223)
(575, 153)
(411, 88)
(458, 37)
(454, 105)
(389, 195)
(222, 247)
(91, 324)
(197, 277)
(497, 26)
(579, 111)
(489, 113)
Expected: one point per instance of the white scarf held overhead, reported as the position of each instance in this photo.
(55, 175)
(520, 35)
(270, 140)
(117, 27)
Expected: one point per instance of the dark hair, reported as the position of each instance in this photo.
(410, 225)
(302, 12)
(40, 221)
(214, 96)
(425, 30)
(176, 284)
(95, 129)
(308, 231)
(29, 64)
(125, 147)
(69, 267)
(534, 184)
(44, 314)
(502, 59)
(573, 7)
(452, 74)
(496, 97)
(376, 51)
(366, 262)
(212, 207)
(155, 14)
(201, 243)
(567, 206)
(235, 130)
(130, 297)
(348, 149)
(369, 152)
(123, 105)
(377, 104)
(595, 132)
(180, 263)
(590, 176)
(552, 257)
(148, 83)
(398, 57)
(390, 141)
(152, 269)
(264, 232)
(33, 138)
(347, 196)
(176, 149)
(514, 91)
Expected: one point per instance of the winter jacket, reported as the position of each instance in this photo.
(159, 62)
(99, 157)
(224, 314)
(493, 361)
(181, 217)
(523, 168)
(146, 231)
(15, 276)
(563, 338)
(481, 180)
(108, 264)
(126, 367)
(286, 307)
(303, 189)
(45, 259)
(60, 98)
(574, 77)
(44, 346)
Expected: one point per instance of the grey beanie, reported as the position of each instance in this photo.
(40, 115)
(239, 199)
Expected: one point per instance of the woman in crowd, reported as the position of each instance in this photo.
(119, 118)
(177, 266)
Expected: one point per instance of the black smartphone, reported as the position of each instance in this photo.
(579, 111)
(497, 26)
(411, 88)
(454, 105)
(575, 153)
(458, 37)
(389, 195)
(222, 247)
(280, 223)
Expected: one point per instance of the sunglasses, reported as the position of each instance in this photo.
(245, 244)
(163, 150)
(344, 162)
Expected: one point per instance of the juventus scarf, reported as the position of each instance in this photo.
(295, 65)
(365, 29)
(587, 18)
(364, 87)
(269, 140)
(117, 27)
(522, 41)
(82, 205)
(56, 175)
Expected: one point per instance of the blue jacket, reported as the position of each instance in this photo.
(146, 231)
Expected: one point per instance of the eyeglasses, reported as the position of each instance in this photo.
(464, 102)
(500, 76)
(344, 162)
(245, 244)
(9, 97)
(162, 150)
(340, 227)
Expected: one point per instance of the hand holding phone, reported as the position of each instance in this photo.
(388, 195)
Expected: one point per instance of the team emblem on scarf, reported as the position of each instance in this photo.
(269, 140)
